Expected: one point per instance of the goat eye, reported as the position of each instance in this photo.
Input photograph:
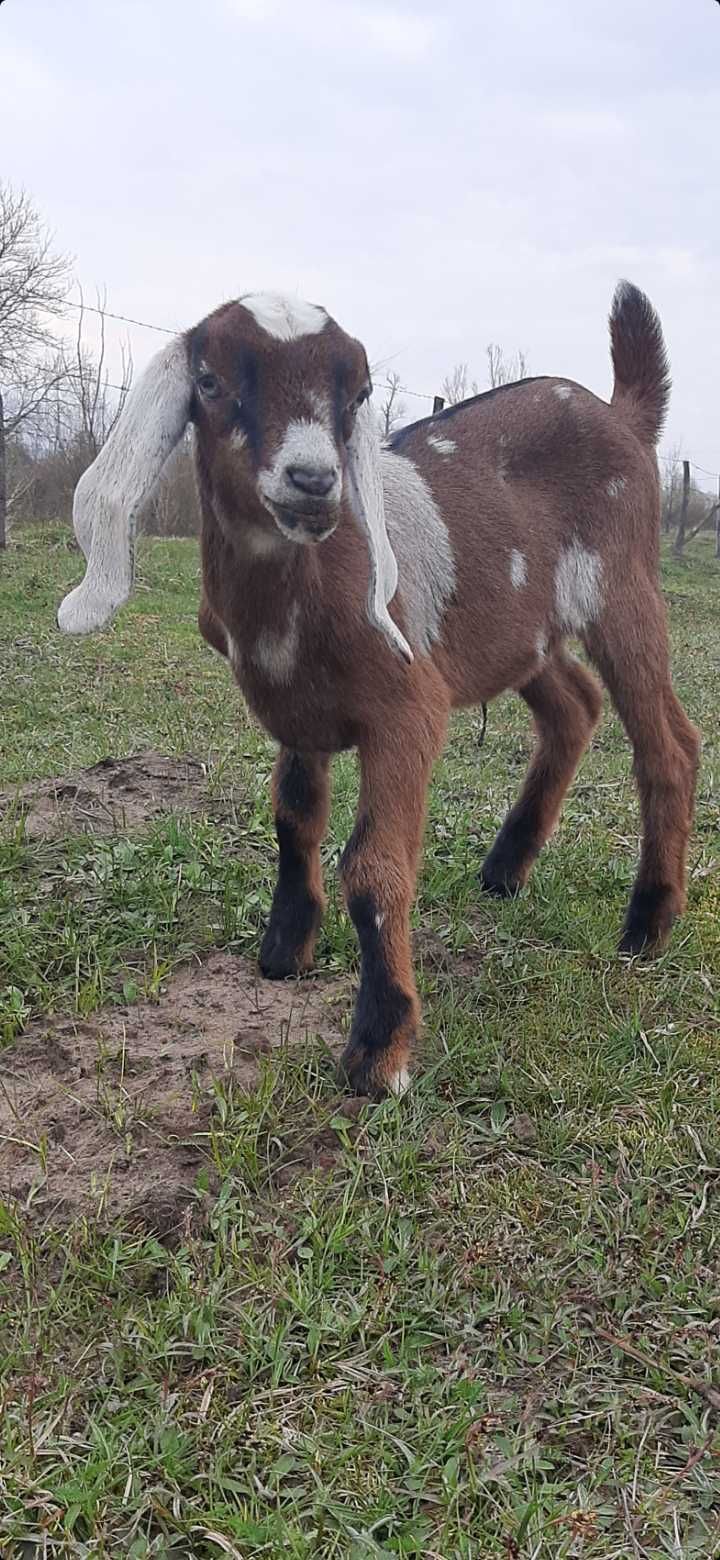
(364, 395)
(209, 386)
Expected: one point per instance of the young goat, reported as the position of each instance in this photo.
(454, 564)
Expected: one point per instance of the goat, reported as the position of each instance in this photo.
(360, 593)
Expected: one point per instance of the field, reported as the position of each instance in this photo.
(244, 1315)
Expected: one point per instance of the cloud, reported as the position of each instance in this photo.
(400, 34)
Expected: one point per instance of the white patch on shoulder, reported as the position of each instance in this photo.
(379, 922)
(563, 392)
(420, 541)
(616, 486)
(443, 446)
(283, 317)
(578, 580)
(276, 653)
(541, 645)
(399, 1083)
(518, 568)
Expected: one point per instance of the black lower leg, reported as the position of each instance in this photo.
(300, 791)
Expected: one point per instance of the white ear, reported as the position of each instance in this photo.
(366, 492)
(111, 493)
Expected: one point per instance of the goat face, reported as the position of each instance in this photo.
(277, 393)
(277, 389)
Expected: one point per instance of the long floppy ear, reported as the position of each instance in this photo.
(366, 492)
(111, 493)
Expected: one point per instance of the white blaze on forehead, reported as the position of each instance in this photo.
(563, 392)
(276, 652)
(518, 568)
(443, 446)
(615, 486)
(319, 406)
(578, 580)
(283, 317)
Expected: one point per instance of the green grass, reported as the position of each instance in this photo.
(492, 1327)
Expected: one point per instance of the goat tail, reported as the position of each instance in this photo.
(640, 361)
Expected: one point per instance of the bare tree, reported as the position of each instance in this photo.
(502, 370)
(33, 287)
(392, 409)
(96, 402)
(456, 385)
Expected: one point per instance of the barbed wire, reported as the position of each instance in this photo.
(383, 384)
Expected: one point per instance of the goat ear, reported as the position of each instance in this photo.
(366, 492)
(111, 493)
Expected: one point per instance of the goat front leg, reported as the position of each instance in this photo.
(378, 869)
(301, 802)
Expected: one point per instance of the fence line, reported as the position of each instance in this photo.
(383, 384)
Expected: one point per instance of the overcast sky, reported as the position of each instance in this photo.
(438, 177)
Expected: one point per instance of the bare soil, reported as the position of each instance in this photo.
(110, 1116)
(112, 796)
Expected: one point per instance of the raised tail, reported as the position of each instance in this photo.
(640, 361)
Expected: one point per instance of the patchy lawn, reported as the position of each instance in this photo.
(244, 1315)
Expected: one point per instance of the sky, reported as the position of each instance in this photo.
(437, 176)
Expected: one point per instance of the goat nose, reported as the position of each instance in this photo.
(316, 480)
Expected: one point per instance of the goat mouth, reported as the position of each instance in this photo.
(304, 525)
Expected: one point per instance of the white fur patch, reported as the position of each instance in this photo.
(578, 579)
(443, 446)
(518, 568)
(419, 538)
(304, 443)
(283, 317)
(563, 392)
(541, 645)
(112, 492)
(233, 650)
(615, 487)
(379, 922)
(399, 1083)
(319, 407)
(276, 654)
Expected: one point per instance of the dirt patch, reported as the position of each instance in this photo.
(111, 1115)
(114, 795)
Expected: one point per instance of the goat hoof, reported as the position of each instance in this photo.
(370, 1075)
(499, 887)
(277, 962)
(648, 922)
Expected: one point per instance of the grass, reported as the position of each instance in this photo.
(492, 1327)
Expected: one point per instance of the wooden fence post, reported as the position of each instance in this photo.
(438, 404)
(680, 538)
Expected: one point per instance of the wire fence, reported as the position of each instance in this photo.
(383, 384)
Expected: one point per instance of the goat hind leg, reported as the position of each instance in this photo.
(566, 703)
(301, 800)
(630, 649)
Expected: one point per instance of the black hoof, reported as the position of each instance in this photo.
(277, 961)
(372, 1075)
(648, 922)
(499, 887)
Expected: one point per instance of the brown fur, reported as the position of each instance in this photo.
(535, 470)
